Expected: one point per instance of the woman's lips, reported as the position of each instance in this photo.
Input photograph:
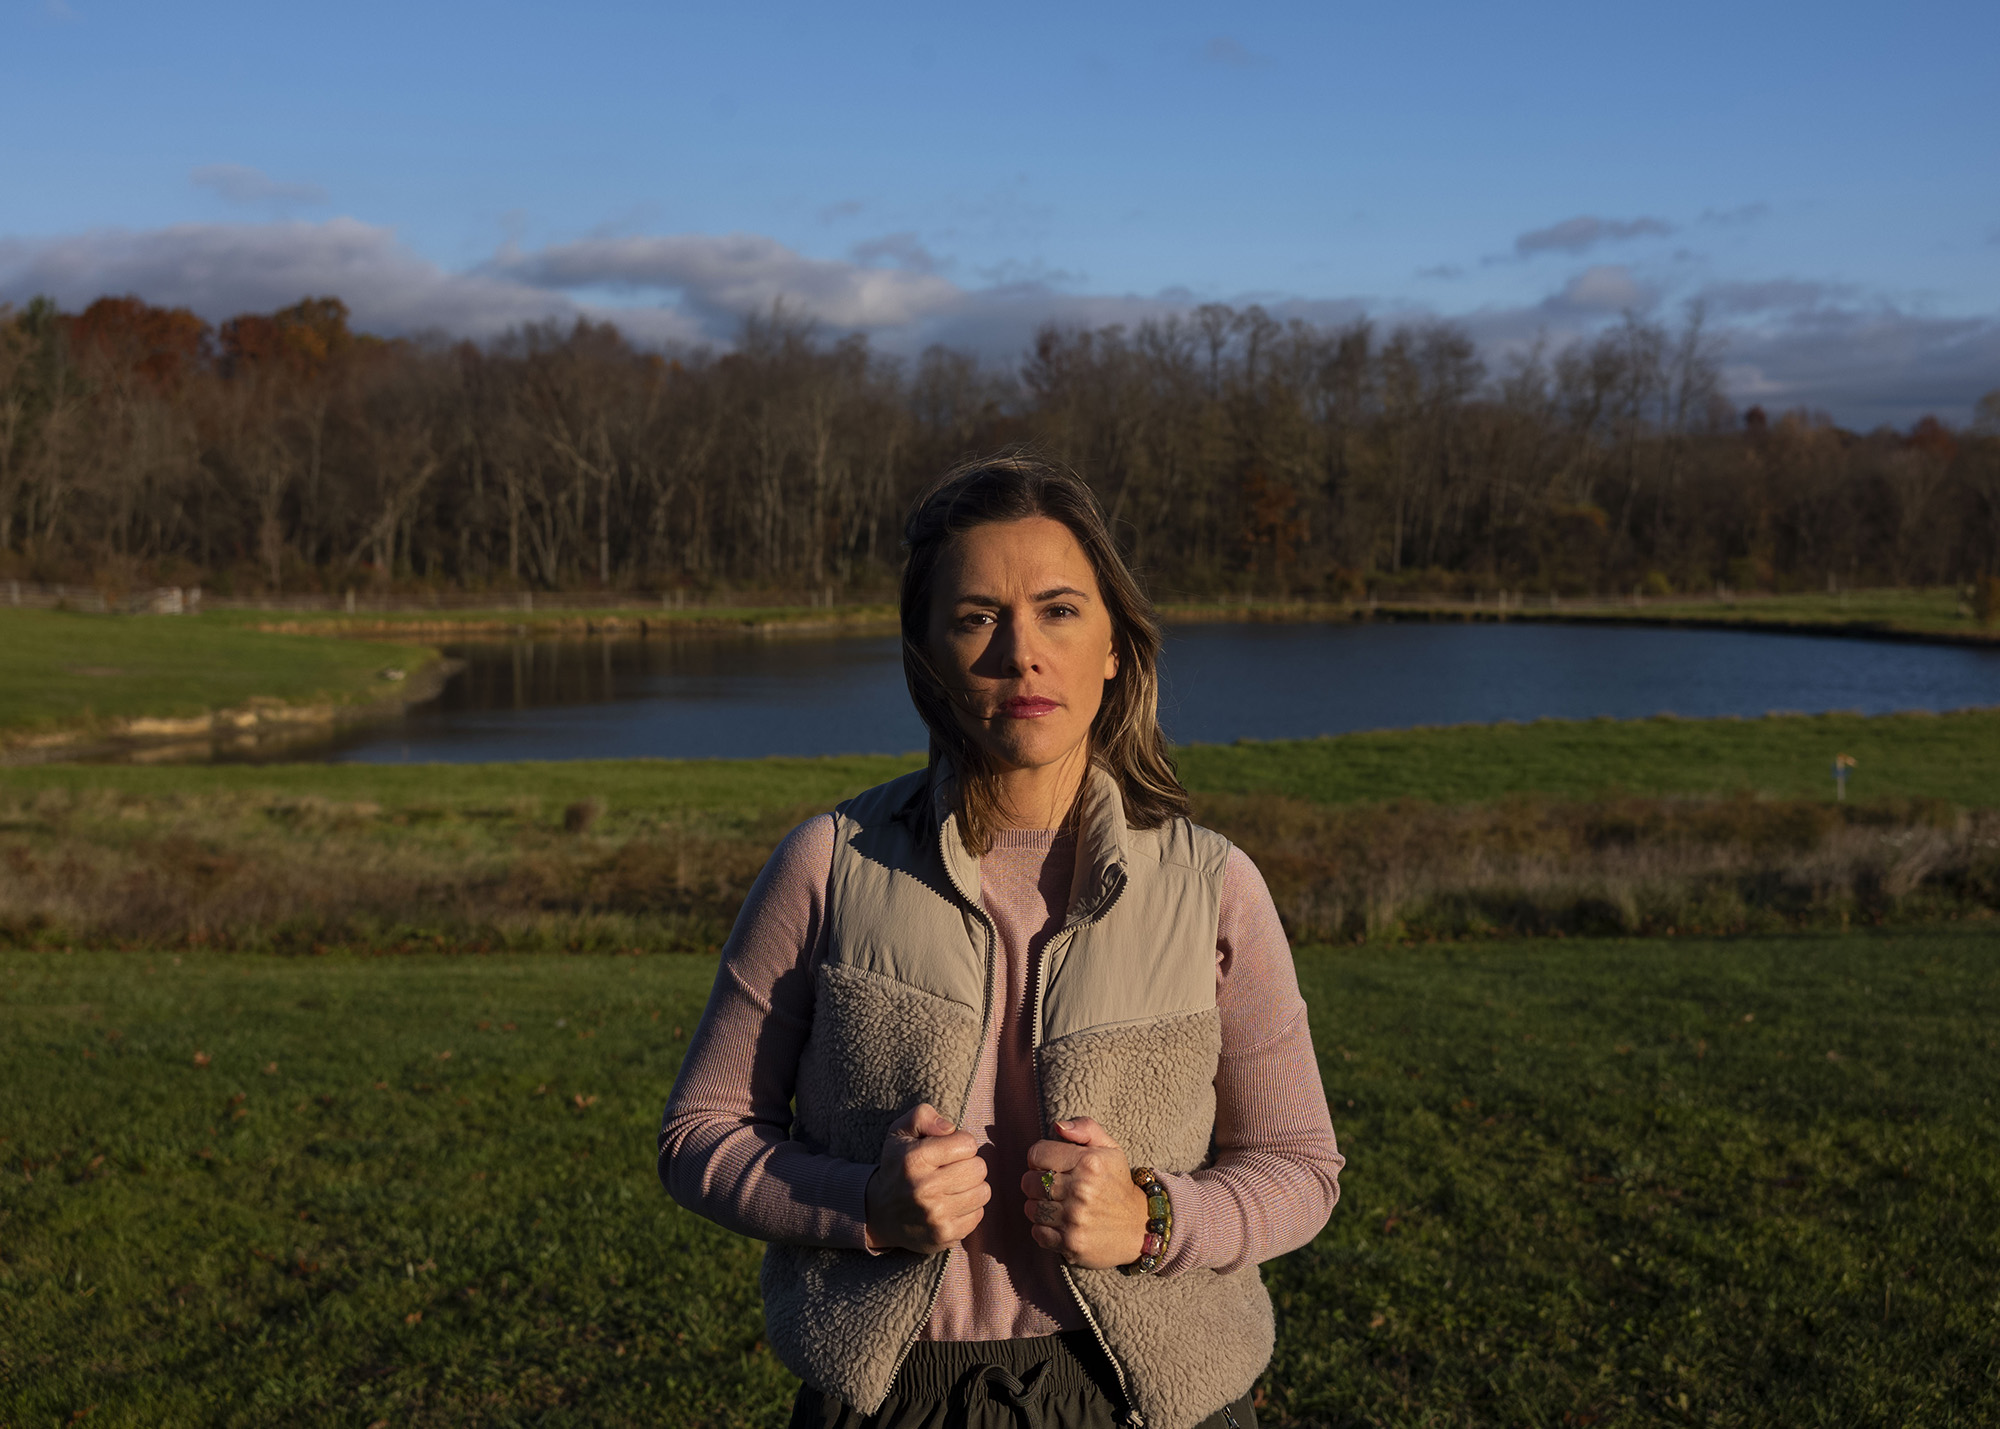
(1027, 707)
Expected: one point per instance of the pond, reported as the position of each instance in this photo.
(742, 696)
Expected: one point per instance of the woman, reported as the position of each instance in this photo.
(1006, 1058)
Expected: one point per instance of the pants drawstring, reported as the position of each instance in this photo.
(1018, 1392)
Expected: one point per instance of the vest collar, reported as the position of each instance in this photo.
(1102, 848)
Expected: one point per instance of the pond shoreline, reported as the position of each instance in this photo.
(257, 724)
(266, 726)
(1726, 614)
(1429, 614)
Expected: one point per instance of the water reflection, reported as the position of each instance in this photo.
(735, 697)
(722, 697)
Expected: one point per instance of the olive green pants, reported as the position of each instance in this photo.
(1052, 1382)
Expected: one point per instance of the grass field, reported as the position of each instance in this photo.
(1952, 756)
(60, 670)
(501, 619)
(1653, 826)
(1617, 1183)
(1934, 612)
(1644, 1181)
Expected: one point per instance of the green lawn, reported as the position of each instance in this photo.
(59, 669)
(503, 618)
(1934, 611)
(1743, 1183)
(1952, 756)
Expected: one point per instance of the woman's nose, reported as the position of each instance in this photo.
(1020, 650)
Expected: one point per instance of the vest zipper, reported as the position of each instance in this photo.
(1132, 1415)
(965, 1099)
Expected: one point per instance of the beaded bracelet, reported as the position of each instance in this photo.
(1159, 1223)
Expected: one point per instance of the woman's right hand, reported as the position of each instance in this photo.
(930, 1189)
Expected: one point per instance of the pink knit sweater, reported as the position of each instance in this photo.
(725, 1150)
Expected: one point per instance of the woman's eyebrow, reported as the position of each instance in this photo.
(995, 602)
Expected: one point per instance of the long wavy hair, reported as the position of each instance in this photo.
(1125, 737)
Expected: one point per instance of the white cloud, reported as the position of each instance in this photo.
(1601, 290)
(1574, 235)
(239, 183)
(901, 250)
(729, 277)
(221, 269)
(1774, 294)
(1866, 364)
(1788, 341)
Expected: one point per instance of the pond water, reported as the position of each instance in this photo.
(742, 696)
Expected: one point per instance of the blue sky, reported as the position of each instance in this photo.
(1826, 177)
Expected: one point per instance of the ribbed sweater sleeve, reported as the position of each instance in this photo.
(725, 1147)
(725, 1142)
(1276, 1173)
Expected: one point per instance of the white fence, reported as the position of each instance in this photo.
(163, 600)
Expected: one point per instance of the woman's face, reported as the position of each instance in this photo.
(1019, 628)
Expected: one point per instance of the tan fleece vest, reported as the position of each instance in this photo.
(1126, 1032)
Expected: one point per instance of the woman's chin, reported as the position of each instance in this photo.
(1014, 748)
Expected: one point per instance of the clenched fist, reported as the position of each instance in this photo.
(929, 1189)
(1090, 1214)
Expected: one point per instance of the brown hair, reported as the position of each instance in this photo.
(1125, 737)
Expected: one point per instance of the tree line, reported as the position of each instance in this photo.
(284, 453)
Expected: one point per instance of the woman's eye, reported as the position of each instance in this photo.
(1062, 610)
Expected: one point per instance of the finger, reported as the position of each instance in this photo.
(1054, 1156)
(974, 1200)
(945, 1150)
(927, 1120)
(953, 1180)
(1045, 1238)
(951, 1221)
(952, 1209)
(958, 1206)
(1046, 1213)
(1045, 1185)
(962, 1226)
(1084, 1131)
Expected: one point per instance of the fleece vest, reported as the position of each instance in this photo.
(1125, 1030)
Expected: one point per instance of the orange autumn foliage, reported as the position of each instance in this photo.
(163, 345)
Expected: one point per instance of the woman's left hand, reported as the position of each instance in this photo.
(1090, 1213)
